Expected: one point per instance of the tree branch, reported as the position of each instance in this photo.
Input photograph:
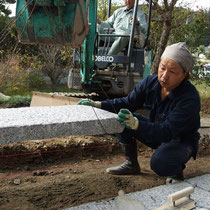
(166, 5)
(172, 4)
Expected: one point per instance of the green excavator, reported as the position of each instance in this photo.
(73, 23)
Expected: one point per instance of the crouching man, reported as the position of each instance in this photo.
(172, 127)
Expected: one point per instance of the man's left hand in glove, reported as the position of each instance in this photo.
(126, 118)
(89, 102)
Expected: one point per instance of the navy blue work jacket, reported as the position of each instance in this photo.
(177, 116)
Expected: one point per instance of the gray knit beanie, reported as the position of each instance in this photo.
(180, 54)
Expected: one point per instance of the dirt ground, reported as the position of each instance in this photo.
(63, 172)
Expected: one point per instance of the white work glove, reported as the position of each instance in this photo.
(126, 118)
(89, 102)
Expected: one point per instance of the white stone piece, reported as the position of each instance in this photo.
(4, 96)
(30, 123)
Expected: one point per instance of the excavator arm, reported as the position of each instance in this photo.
(58, 22)
(52, 22)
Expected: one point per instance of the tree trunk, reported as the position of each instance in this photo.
(166, 13)
(161, 47)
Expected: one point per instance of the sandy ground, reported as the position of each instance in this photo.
(64, 172)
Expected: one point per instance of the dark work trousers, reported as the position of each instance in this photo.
(168, 159)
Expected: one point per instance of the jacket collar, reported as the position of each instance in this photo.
(173, 93)
(178, 89)
(128, 10)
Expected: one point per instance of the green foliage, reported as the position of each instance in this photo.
(20, 90)
(17, 100)
(7, 35)
(35, 81)
(103, 8)
(66, 57)
(190, 26)
(200, 49)
(187, 26)
(27, 61)
(16, 76)
(3, 101)
(12, 90)
(12, 77)
(203, 87)
(58, 88)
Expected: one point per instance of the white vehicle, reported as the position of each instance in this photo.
(207, 70)
(205, 73)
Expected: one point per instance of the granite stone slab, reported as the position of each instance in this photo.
(158, 196)
(34, 123)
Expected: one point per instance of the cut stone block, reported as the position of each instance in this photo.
(31, 123)
(158, 196)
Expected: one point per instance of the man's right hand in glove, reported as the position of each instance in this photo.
(89, 102)
(126, 118)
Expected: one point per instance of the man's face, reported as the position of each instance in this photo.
(129, 3)
(170, 74)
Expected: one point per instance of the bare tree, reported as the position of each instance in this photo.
(165, 12)
(52, 67)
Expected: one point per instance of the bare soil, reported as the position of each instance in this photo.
(63, 172)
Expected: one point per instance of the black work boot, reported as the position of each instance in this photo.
(131, 165)
(175, 179)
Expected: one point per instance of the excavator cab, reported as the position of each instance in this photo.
(133, 53)
(114, 75)
(118, 74)
(73, 23)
